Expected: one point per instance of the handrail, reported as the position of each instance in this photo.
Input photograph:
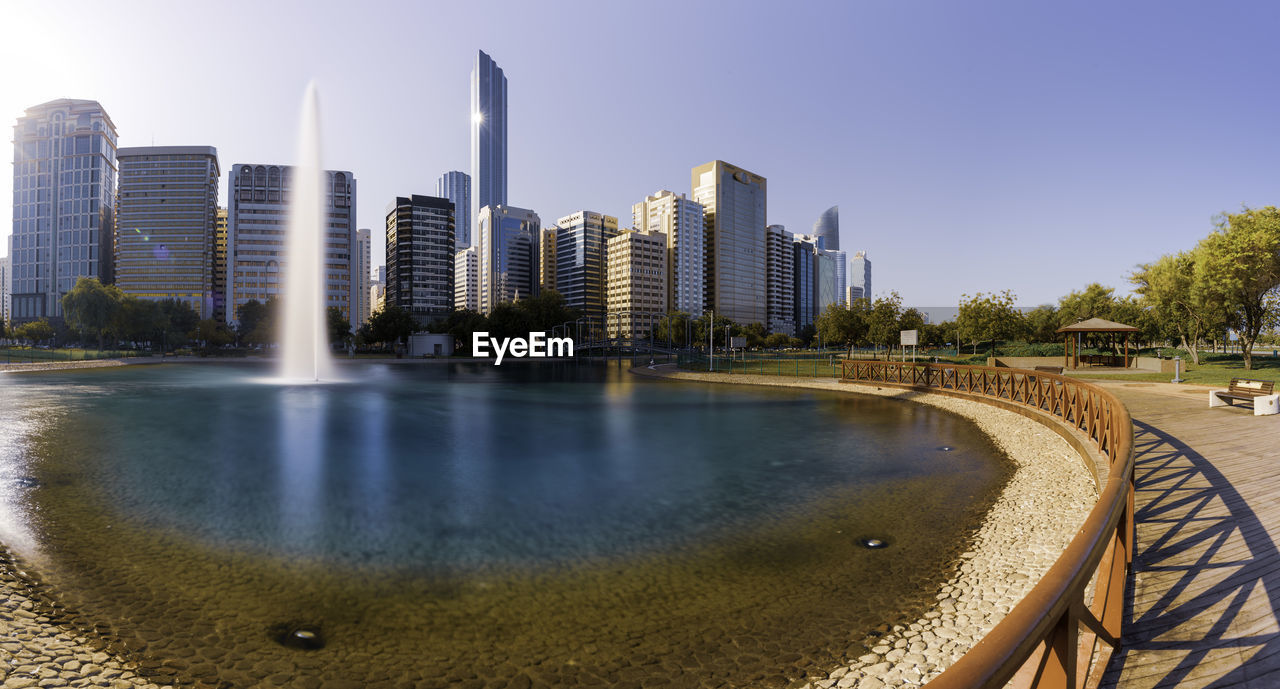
(1049, 640)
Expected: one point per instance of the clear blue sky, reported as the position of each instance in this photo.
(972, 146)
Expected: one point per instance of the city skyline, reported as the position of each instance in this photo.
(1003, 135)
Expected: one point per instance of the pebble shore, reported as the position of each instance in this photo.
(1033, 520)
(59, 365)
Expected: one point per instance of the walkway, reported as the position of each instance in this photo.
(1206, 586)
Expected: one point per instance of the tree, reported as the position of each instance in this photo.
(212, 334)
(673, 328)
(179, 321)
(1042, 324)
(35, 331)
(1095, 301)
(138, 320)
(1167, 288)
(882, 321)
(911, 319)
(546, 310)
(777, 341)
(91, 306)
(1238, 270)
(755, 334)
(988, 317)
(339, 327)
(460, 324)
(843, 325)
(392, 324)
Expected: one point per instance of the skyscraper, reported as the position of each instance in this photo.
(166, 224)
(64, 185)
(681, 221)
(420, 256)
(636, 281)
(780, 280)
(581, 259)
(547, 259)
(5, 273)
(861, 273)
(488, 136)
(220, 266)
(257, 216)
(360, 277)
(827, 229)
(456, 186)
(508, 243)
(735, 217)
(466, 279)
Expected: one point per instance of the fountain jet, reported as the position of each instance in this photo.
(305, 338)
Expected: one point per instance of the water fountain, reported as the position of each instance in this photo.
(305, 340)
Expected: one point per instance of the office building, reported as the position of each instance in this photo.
(362, 272)
(547, 259)
(734, 203)
(488, 136)
(636, 281)
(466, 279)
(580, 259)
(64, 185)
(220, 265)
(780, 280)
(166, 224)
(804, 275)
(420, 256)
(5, 273)
(257, 221)
(378, 290)
(860, 273)
(508, 242)
(456, 186)
(852, 294)
(681, 221)
(827, 230)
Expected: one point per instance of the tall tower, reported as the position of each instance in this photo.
(456, 186)
(420, 256)
(507, 239)
(488, 137)
(861, 273)
(681, 221)
(581, 259)
(735, 209)
(64, 199)
(361, 271)
(827, 229)
(167, 218)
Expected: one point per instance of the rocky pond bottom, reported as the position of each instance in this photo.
(621, 533)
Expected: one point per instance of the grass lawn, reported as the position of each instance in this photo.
(1218, 371)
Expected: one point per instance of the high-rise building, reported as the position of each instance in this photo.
(361, 273)
(508, 242)
(636, 281)
(220, 266)
(64, 185)
(466, 279)
(681, 220)
(488, 136)
(580, 259)
(166, 224)
(547, 259)
(804, 273)
(860, 273)
(852, 294)
(257, 220)
(5, 273)
(420, 256)
(456, 186)
(824, 282)
(827, 231)
(735, 210)
(780, 280)
(378, 290)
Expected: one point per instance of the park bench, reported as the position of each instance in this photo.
(1256, 392)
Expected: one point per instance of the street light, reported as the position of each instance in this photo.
(711, 347)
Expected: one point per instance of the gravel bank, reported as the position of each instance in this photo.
(1032, 521)
(59, 365)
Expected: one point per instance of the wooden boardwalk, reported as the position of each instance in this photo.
(1203, 602)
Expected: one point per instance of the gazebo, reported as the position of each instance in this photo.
(1095, 325)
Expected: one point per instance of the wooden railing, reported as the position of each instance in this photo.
(1054, 638)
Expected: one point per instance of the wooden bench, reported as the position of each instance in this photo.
(1256, 392)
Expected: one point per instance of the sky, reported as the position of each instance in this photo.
(972, 147)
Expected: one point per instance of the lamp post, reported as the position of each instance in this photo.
(711, 347)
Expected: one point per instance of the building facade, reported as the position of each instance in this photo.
(257, 222)
(508, 243)
(362, 271)
(860, 273)
(681, 220)
(852, 294)
(488, 136)
(581, 259)
(456, 186)
(378, 290)
(547, 259)
(5, 273)
(780, 280)
(420, 256)
(220, 265)
(466, 279)
(64, 185)
(636, 282)
(166, 224)
(735, 211)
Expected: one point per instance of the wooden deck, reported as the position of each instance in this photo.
(1206, 582)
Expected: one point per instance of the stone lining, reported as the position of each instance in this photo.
(1037, 514)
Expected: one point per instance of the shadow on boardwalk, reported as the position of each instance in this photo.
(1206, 578)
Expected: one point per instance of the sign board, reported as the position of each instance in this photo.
(909, 337)
(738, 342)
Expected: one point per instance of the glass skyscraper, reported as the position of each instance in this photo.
(581, 259)
(508, 243)
(488, 136)
(64, 185)
(456, 186)
(735, 210)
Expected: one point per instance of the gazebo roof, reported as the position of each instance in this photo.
(1097, 325)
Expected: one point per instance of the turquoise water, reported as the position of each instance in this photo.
(609, 506)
